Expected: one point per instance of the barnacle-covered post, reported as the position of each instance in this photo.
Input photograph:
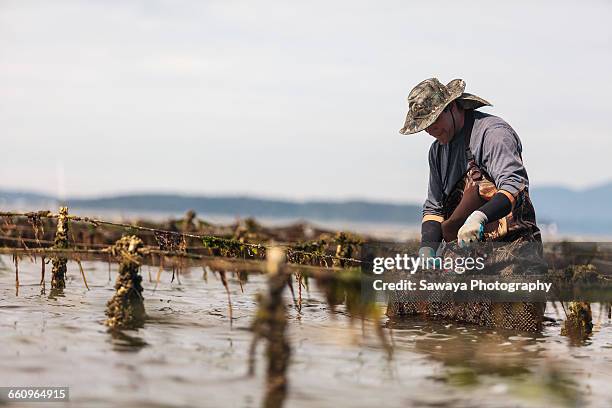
(58, 273)
(578, 324)
(271, 324)
(126, 307)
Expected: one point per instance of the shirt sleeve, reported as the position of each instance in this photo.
(501, 157)
(435, 193)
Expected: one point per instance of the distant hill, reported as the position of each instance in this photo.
(246, 206)
(576, 211)
(233, 206)
(573, 211)
(7, 196)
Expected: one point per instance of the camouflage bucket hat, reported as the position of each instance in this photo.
(429, 98)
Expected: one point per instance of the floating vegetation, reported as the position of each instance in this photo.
(126, 308)
(58, 273)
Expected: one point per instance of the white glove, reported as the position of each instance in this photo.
(473, 229)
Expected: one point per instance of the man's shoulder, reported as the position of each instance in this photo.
(490, 130)
(484, 121)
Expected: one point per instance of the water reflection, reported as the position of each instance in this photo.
(189, 356)
(505, 361)
(124, 342)
(54, 293)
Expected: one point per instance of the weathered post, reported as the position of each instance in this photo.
(126, 308)
(271, 324)
(578, 324)
(58, 273)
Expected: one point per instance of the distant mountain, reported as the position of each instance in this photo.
(246, 206)
(12, 196)
(572, 211)
(576, 211)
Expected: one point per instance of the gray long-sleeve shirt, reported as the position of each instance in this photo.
(497, 150)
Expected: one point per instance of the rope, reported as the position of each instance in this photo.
(48, 242)
(210, 238)
(255, 266)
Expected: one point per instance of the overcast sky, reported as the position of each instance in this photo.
(289, 99)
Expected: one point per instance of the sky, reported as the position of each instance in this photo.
(287, 99)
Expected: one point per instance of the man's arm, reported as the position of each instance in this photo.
(431, 226)
(501, 157)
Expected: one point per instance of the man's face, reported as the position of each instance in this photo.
(442, 128)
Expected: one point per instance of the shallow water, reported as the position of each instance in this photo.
(188, 355)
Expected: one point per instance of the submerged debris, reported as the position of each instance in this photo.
(58, 273)
(126, 308)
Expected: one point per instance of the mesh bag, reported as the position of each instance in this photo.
(519, 258)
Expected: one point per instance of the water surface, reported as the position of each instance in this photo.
(188, 355)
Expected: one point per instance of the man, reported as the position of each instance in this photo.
(478, 191)
(478, 186)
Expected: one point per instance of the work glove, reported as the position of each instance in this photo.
(472, 229)
(431, 261)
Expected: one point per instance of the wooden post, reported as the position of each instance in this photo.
(578, 324)
(271, 324)
(126, 308)
(58, 273)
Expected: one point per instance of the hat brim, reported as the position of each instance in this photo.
(456, 88)
(469, 101)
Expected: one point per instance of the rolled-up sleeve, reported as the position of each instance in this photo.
(435, 193)
(501, 157)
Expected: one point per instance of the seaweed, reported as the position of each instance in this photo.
(35, 220)
(309, 253)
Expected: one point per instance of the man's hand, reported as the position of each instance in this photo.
(473, 229)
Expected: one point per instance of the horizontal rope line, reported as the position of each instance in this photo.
(96, 222)
(255, 265)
